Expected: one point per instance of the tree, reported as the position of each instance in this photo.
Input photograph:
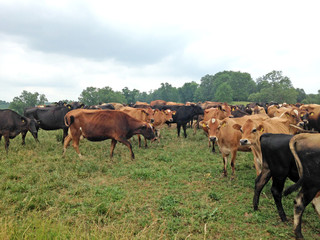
(224, 93)
(27, 99)
(205, 91)
(130, 96)
(4, 104)
(187, 92)
(273, 87)
(301, 94)
(166, 92)
(94, 96)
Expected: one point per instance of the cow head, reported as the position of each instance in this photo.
(169, 115)
(213, 126)
(147, 131)
(33, 127)
(251, 132)
(304, 115)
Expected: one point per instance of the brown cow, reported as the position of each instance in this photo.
(227, 138)
(143, 114)
(99, 125)
(253, 129)
(162, 117)
(158, 102)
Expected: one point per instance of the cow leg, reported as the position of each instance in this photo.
(276, 189)
(65, 133)
(184, 126)
(139, 140)
(262, 179)
(178, 129)
(225, 162)
(24, 134)
(145, 143)
(299, 207)
(128, 144)
(304, 197)
(233, 159)
(66, 144)
(113, 145)
(6, 143)
(75, 144)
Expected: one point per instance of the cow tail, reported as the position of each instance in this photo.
(293, 187)
(71, 120)
(298, 184)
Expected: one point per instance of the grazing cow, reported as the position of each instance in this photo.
(143, 114)
(185, 114)
(252, 130)
(227, 138)
(161, 118)
(306, 151)
(49, 118)
(277, 163)
(12, 124)
(99, 125)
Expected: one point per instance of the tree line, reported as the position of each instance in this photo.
(226, 86)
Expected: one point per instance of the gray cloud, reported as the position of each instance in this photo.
(81, 35)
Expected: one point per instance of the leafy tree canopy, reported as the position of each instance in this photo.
(27, 99)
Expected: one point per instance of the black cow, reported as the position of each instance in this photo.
(185, 114)
(306, 151)
(278, 163)
(12, 124)
(49, 118)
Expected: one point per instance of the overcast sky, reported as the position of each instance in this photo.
(59, 48)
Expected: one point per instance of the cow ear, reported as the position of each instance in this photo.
(260, 128)
(219, 107)
(173, 112)
(82, 105)
(237, 126)
(68, 106)
(144, 126)
(311, 113)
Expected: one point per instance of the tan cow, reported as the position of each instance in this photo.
(161, 117)
(252, 130)
(227, 138)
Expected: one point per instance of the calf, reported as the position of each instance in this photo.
(306, 151)
(99, 125)
(12, 124)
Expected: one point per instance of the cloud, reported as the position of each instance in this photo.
(60, 47)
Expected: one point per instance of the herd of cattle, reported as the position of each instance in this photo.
(284, 139)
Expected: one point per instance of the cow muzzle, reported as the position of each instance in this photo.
(213, 138)
(244, 142)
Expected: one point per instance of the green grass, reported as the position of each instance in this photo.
(172, 190)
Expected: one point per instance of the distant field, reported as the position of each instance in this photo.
(172, 190)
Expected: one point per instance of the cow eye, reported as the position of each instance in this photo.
(241, 130)
(254, 130)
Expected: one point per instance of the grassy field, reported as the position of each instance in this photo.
(172, 190)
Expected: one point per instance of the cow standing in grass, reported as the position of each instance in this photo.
(99, 125)
(12, 124)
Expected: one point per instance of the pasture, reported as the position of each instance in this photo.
(172, 190)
